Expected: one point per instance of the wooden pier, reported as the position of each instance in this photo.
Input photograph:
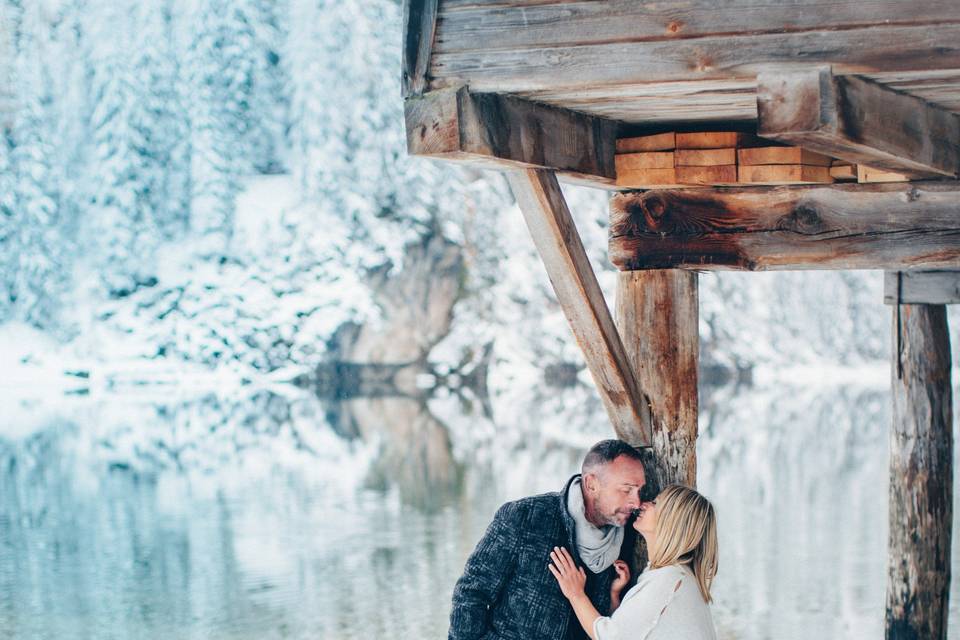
(732, 136)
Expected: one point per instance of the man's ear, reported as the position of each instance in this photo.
(591, 482)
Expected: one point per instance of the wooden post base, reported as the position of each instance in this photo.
(921, 475)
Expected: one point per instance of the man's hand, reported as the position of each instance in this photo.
(570, 577)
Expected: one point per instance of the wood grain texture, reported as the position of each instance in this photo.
(516, 25)
(872, 174)
(502, 132)
(644, 160)
(839, 226)
(858, 120)
(666, 141)
(782, 155)
(720, 174)
(783, 174)
(921, 475)
(663, 102)
(672, 101)
(921, 287)
(843, 172)
(657, 314)
(705, 157)
(688, 61)
(888, 48)
(558, 243)
(419, 30)
(708, 139)
(647, 178)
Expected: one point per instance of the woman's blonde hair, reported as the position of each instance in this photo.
(686, 533)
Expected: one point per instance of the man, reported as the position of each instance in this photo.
(506, 591)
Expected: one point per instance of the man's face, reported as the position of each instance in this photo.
(613, 492)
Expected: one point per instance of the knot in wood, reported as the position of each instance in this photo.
(655, 208)
(803, 219)
(644, 215)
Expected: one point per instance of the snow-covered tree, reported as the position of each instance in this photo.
(235, 115)
(36, 277)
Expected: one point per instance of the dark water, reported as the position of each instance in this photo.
(274, 517)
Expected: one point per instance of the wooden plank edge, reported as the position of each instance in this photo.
(829, 114)
(921, 287)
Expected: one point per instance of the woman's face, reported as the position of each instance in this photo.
(646, 522)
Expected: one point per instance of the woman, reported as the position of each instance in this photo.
(669, 601)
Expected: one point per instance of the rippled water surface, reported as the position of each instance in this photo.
(280, 518)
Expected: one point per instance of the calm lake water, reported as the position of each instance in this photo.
(286, 517)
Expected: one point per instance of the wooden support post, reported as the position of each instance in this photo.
(921, 475)
(556, 238)
(657, 314)
(858, 120)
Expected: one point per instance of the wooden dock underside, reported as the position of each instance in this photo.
(664, 62)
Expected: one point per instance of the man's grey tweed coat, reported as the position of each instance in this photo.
(506, 591)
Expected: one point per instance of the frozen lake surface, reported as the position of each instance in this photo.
(285, 518)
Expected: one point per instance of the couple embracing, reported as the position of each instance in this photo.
(557, 566)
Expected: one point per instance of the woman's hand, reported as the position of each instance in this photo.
(623, 576)
(571, 577)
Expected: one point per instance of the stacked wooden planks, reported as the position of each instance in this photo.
(707, 158)
(723, 158)
(677, 159)
(647, 160)
(783, 165)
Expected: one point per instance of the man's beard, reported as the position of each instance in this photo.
(619, 518)
(596, 516)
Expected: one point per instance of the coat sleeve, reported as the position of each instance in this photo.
(484, 576)
(640, 610)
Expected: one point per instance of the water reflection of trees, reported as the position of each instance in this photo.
(92, 552)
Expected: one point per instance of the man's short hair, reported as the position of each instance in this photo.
(607, 451)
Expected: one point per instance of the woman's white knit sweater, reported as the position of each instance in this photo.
(665, 604)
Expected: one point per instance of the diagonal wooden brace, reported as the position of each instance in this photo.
(558, 242)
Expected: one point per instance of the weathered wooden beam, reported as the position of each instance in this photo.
(517, 24)
(858, 120)
(419, 31)
(657, 314)
(869, 48)
(921, 287)
(501, 132)
(895, 226)
(558, 242)
(921, 475)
